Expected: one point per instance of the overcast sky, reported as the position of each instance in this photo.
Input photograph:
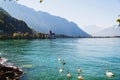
(102, 13)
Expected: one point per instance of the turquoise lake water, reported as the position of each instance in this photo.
(39, 57)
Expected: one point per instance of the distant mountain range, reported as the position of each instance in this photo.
(42, 21)
(111, 31)
(92, 29)
(10, 25)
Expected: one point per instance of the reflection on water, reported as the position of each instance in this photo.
(39, 57)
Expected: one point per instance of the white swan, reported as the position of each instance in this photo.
(60, 70)
(59, 59)
(79, 70)
(109, 74)
(80, 77)
(68, 74)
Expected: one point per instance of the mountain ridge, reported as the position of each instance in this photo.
(10, 25)
(43, 21)
(92, 29)
(110, 31)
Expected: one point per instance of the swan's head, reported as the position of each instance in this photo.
(60, 68)
(58, 57)
(106, 69)
(78, 67)
(68, 72)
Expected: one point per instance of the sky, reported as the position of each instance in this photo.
(102, 13)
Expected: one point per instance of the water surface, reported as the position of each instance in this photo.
(39, 57)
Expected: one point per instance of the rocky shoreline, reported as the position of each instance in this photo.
(9, 72)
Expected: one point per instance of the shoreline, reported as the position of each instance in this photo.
(9, 72)
(11, 38)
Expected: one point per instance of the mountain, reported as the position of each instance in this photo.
(10, 25)
(110, 32)
(92, 29)
(42, 21)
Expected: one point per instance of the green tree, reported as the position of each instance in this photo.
(16, 35)
(41, 1)
(118, 20)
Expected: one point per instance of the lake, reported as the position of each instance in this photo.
(39, 57)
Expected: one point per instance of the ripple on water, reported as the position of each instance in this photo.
(39, 57)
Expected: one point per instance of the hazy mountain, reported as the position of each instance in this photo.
(42, 21)
(111, 31)
(11, 25)
(92, 29)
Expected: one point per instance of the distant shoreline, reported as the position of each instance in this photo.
(106, 37)
(56, 36)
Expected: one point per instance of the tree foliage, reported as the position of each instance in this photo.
(118, 20)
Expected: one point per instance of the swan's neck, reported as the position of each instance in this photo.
(106, 71)
(79, 74)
